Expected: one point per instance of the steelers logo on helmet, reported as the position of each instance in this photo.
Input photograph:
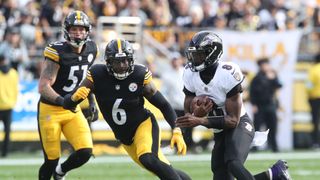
(119, 58)
(76, 18)
(205, 49)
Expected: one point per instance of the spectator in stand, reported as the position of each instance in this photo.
(220, 22)
(15, 51)
(11, 12)
(196, 14)
(208, 13)
(121, 5)
(181, 12)
(313, 87)
(51, 17)
(236, 11)
(147, 6)
(109, 9)
(9, 81)
(249, 22)
(164, 5)
(133, 9)
(157, 19)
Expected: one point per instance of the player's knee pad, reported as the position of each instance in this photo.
(84, 154)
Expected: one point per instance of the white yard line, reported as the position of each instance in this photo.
(174, 158)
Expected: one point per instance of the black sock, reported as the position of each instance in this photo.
(161, 169)
(47, 168)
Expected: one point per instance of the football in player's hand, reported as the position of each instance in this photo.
(201, 106)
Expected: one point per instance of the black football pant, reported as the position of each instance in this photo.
(5, 116)
(315, 114)
(231, 150)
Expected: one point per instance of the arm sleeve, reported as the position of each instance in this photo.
(91, 99)
(161, 103)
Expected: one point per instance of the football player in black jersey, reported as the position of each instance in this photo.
(66, 64)
(233, 129)
(120, 87)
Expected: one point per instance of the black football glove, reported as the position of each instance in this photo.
(69, 104)
(93, 113)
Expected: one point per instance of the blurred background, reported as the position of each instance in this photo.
(286, 32)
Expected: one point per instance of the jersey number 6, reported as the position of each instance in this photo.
(119, 115)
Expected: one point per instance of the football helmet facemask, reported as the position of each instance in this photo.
(76, 18)
(119, 58)
(205, 49)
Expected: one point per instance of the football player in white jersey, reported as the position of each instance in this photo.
(234, 131)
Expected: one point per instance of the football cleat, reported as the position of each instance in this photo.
(57, 176)
(280, 170)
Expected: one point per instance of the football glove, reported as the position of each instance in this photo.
(93, 112)
(71, 101)
(177, 139)
(81, 94)
(69, 104)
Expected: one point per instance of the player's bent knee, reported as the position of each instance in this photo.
(148, 160)
(234, 165)
(238, 170)
(84, 154)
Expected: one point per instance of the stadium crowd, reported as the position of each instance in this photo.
(26, 26)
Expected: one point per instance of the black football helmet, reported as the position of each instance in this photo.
(205, 49)
(76, 18)
(119, 51)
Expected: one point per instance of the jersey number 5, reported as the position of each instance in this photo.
(74, 78)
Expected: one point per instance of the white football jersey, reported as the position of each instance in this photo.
(227, 76)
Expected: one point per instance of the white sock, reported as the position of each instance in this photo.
(59, 170)
(270, 173)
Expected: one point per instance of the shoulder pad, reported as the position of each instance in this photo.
(52, 50)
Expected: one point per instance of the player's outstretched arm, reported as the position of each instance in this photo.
(158, 100)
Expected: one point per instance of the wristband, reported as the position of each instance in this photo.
(216, 122)
(59, 101)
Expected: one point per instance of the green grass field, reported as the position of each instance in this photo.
(303, 166)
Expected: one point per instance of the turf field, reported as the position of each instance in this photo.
(303, 166)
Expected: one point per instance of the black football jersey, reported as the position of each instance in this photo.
(73, 66)
(121, 101)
